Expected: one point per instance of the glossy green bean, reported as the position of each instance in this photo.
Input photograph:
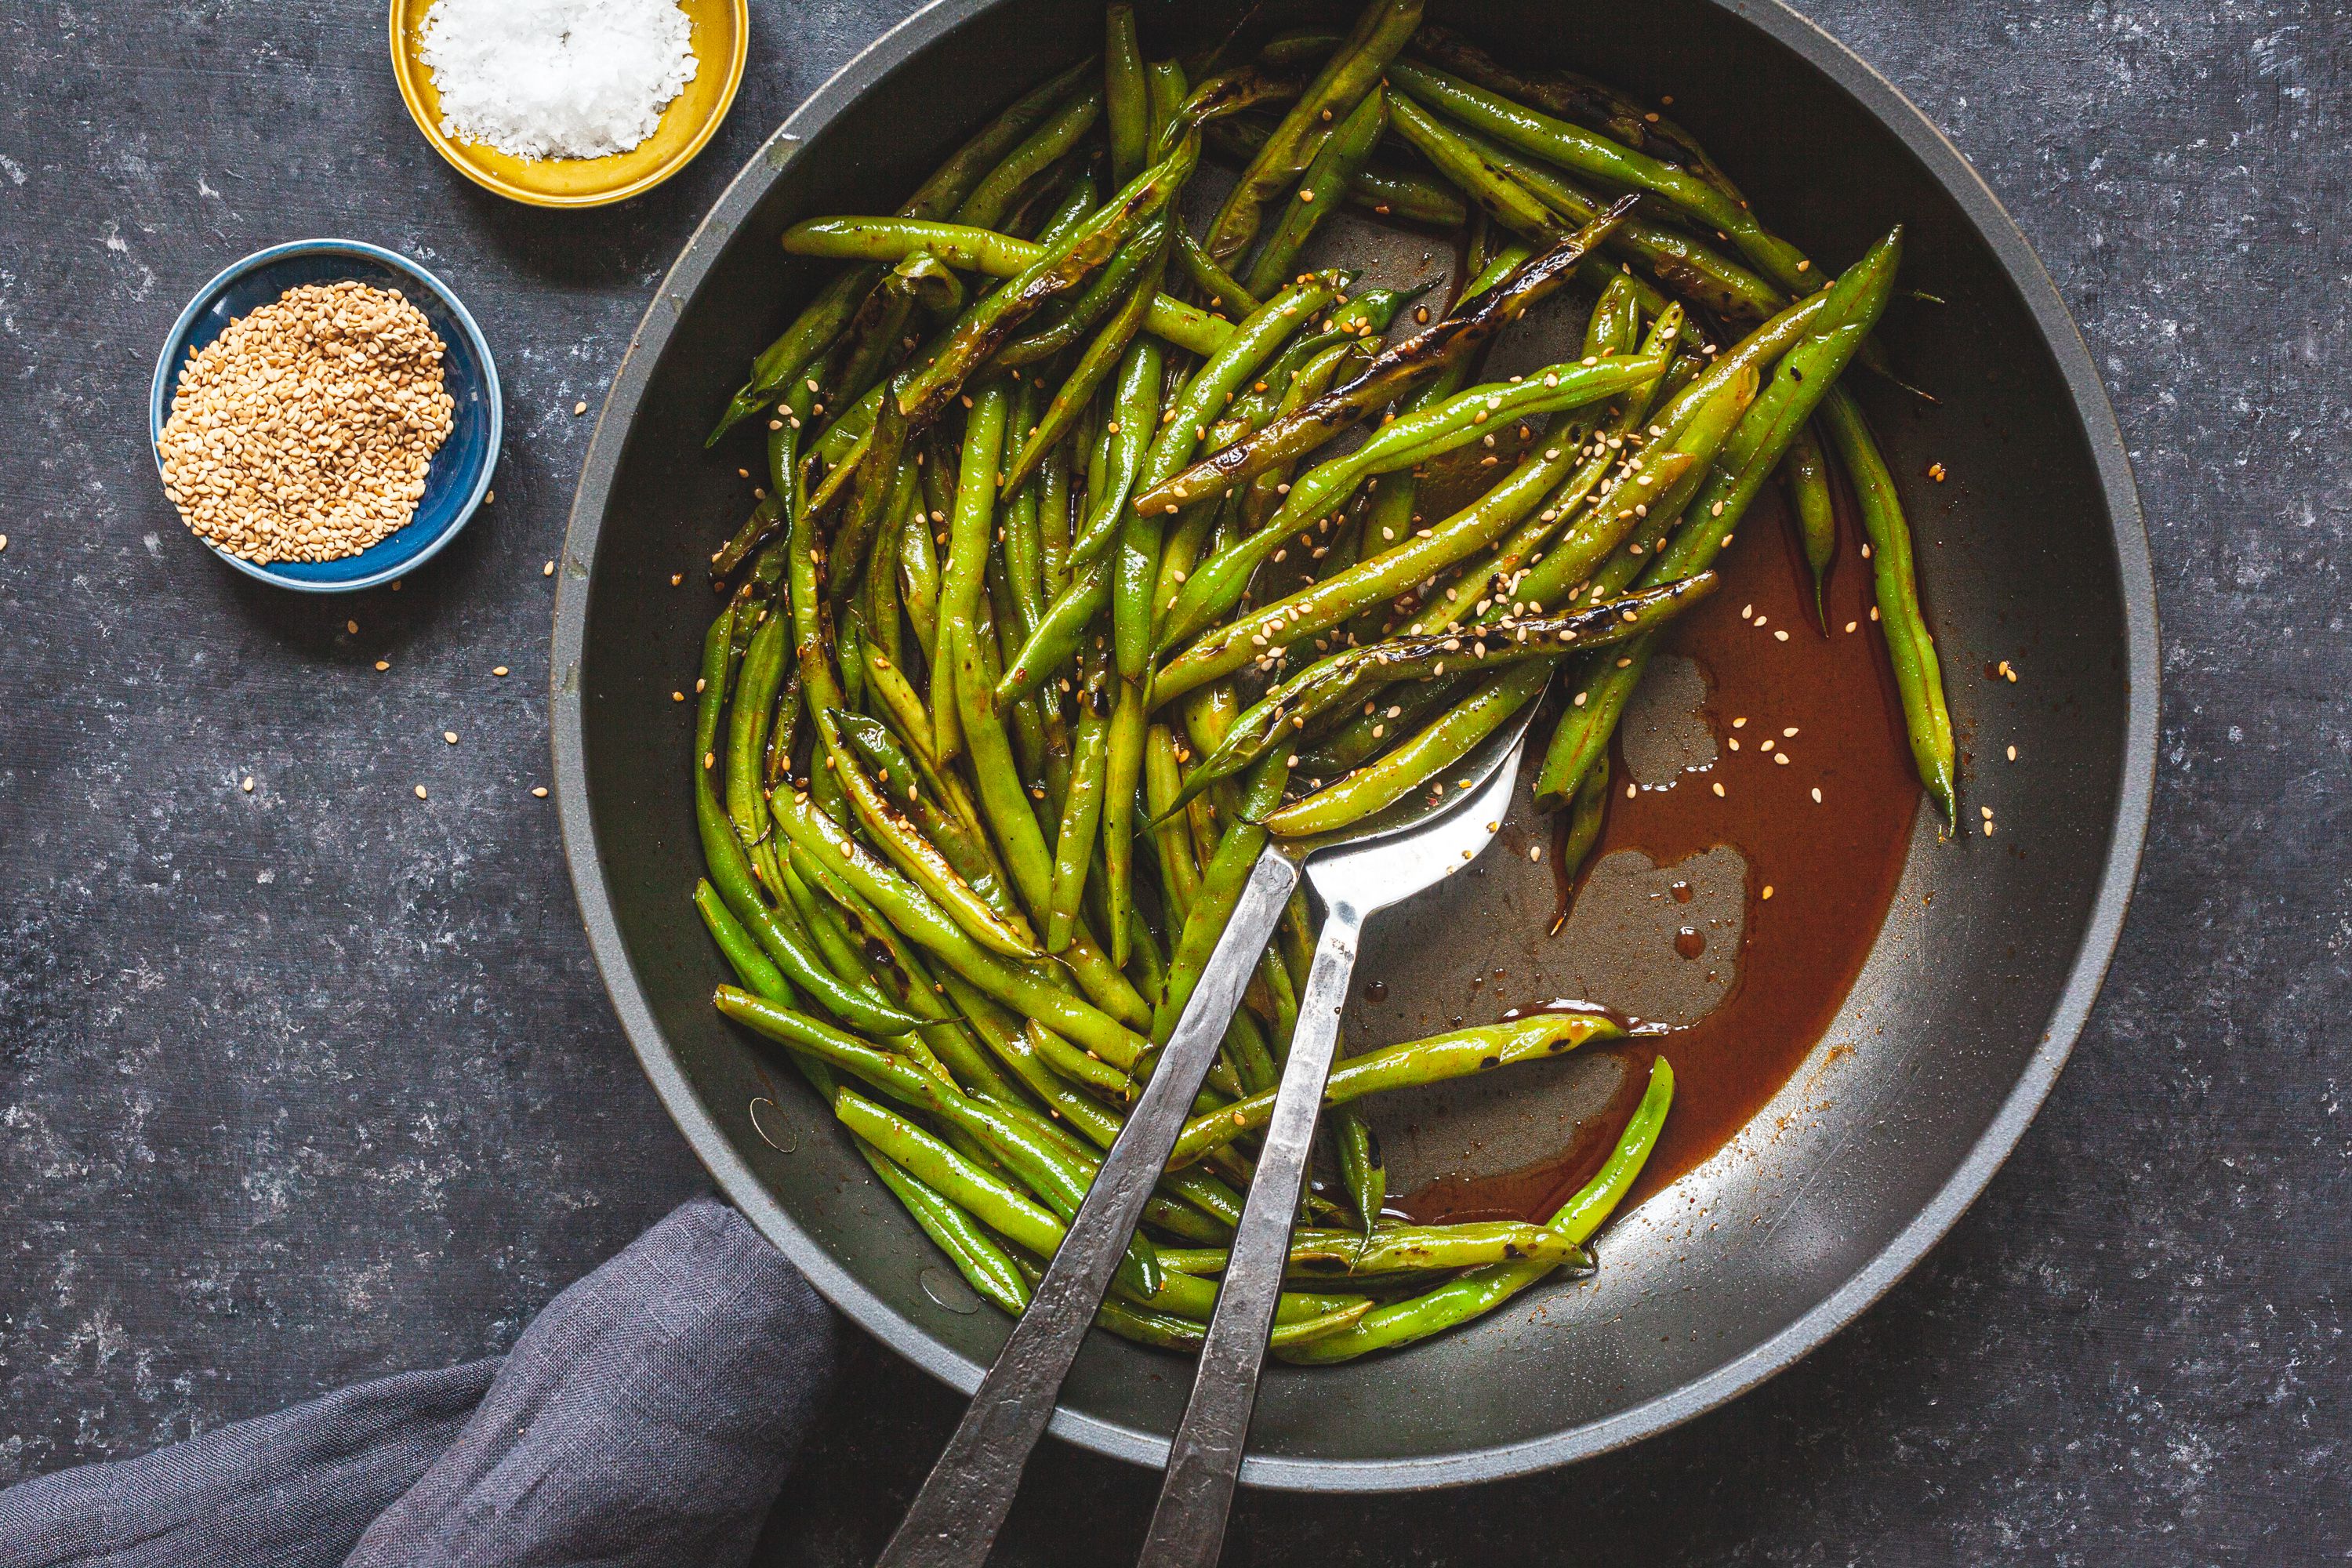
(1057, 272)
(1202, 400)
(1082, 812)
(1417, 437)
(913, 914)
(1321, 187)
(1353, 71)
(1454, 1054)
(1918, 675)
(1128, 100)
(1061, 131)
(757, 972)
(1343, 678)
(1597, 157)
(987, 1267)
(1482, 1289)
(1213, 280)
(1109, 350)
(1805, 471)
(1263, 633)
(1395, 371)
(1000, 256)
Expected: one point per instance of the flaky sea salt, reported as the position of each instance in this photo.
(556, 78)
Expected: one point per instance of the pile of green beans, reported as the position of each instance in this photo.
(1092, 556)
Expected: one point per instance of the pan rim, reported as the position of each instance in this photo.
(2101, 930)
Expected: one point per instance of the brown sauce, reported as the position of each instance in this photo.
(1831, 867)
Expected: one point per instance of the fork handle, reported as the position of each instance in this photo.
(963, 1505)
(1188, 1528)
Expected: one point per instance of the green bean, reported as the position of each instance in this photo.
(1209, 278)
(1223, 878)
(747, 730)
(1588, 811)
(1111, 348)
(1375, 188)
(1918, 677)
(1320, 1254)
(1000, 256)
(1597, 157)
(1057, 1175)
(1057, 272)
(811, 333)
(1417, 761)
(1805, 374)
(1202, 398)
(1180, 871)
(916, 855)
(996, 1203)
(741, 950)
(1262, 634)
(1482, 1289)
(1170, 1331)
(1415, 438)
(1114, 289)
(987, 1267)
(1578, 99)
(1454, 1054)
(1343, 678)
(1494, 193)
(908, 908)
(968, 528)
(1805, 472)
(1320, 189)
(1361, 1170)
(1130, 100)
(1126, 437)
(1082, 812)
(1353, 71)
(1063, 130)
(1392, 372)
(1122, 769)
(1687, 266)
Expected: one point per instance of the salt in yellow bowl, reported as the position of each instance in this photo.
(721, 40)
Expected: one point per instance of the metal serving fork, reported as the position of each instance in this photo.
(1359, 872)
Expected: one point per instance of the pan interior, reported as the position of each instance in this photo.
(2018, 560)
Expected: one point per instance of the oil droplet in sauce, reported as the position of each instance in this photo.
(1689, 943)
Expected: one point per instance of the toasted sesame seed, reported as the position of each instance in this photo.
(1817, 796)
(1630, 791)
(1782, 758)
(1851, 625)
(1535, 852)
(2013, 753)
(1766, 892)
(247, 786)
(677, 697)
(540, 790)
(1780, 636)
(450, 736)
(1988, 828)
(1717, 786)
(579, 408)
(548, 570)
(420, 791)
(1740, 723)
(498, 669)
(676, 578)
(384, 664)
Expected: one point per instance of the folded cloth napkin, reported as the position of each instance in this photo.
(647, 1416)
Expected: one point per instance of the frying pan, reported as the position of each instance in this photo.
(1953, 1033)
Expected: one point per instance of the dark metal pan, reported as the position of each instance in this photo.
(1959, 1021)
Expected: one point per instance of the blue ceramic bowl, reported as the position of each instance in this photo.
(460, 474)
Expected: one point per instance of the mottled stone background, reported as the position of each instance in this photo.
(317, 1082)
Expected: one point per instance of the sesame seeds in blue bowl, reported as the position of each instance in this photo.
(458, 475)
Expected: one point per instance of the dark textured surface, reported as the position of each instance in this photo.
(316, 1082)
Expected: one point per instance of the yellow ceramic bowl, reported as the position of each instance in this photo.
(722, 32)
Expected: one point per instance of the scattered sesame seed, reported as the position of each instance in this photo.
(1936, 472)
(1851, 625)
(1630, 791)
(676, 578)
(353, 627)
(677, 697)
(450, 736)
(498, 669)
(548, 570)
(1717, 786)
(1782, 758)
(579, 408)
(2013, 753)
(540, 790)
(420, 791)
(247, 786)
(1988, 828)
(1781, 634)
(1767, 890)
(1535, 852)
(1817, 798)
(384, 664)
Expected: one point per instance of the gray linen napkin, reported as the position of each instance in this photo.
(647, 1416)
